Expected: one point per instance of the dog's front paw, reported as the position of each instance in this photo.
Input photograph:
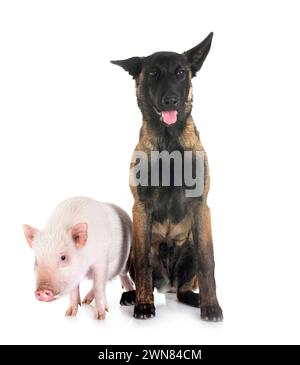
(144, 311)
(211, 313)
(128, 298)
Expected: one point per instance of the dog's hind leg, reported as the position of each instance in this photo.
(186, 295)
(187, 279)
(128, 297)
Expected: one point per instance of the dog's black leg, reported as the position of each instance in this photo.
(128, 298)
(186, 272)
(188, 297)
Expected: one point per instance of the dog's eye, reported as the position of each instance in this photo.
(63, 258)
(180, 73)
(153, 74)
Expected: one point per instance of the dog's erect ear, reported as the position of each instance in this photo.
(132, 65)
(196, 56)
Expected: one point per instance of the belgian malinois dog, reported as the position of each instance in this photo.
(172, 248)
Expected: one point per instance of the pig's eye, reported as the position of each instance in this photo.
(63, 257)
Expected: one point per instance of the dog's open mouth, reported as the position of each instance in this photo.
(167, 116)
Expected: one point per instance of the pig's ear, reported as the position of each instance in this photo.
(79, 234)
(29, 233)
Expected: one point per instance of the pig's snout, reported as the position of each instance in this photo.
(44, 295)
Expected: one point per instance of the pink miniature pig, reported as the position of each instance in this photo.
(83, 237)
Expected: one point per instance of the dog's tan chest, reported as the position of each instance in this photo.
(167, 231)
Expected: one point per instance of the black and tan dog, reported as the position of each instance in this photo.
(172, 240)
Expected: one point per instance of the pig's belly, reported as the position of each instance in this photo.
(115, 268)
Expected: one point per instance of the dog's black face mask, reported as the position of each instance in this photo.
(164, 82)
(164, 87)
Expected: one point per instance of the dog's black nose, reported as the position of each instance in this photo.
(169, 101)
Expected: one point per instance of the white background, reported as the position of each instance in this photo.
(69, 123)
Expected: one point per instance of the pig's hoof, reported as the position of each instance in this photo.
(88, 299)
(128, 298)
(144, 311)
(100, 315)
(71, 311)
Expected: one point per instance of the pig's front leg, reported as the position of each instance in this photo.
(100, 278)
(74, 302)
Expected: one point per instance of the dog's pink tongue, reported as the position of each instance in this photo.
(169, 117)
